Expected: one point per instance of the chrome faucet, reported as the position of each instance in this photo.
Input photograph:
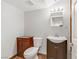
(56, 35)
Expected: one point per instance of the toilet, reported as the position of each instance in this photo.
(31, 53)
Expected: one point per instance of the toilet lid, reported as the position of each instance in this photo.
(31, 51)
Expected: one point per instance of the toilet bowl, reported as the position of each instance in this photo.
(31, 53)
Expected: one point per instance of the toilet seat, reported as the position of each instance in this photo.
(30, 51)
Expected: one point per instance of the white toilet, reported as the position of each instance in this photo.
(31, 53)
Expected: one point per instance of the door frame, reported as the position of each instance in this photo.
(71, 32)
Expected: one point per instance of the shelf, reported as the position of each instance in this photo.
(58, 25)
(57, 19)
(57, 16)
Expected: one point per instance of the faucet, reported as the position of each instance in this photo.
(56, 35)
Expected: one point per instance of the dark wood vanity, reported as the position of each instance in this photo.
(56, 50)
(23, 43)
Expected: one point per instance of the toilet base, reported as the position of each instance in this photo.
(35, 57)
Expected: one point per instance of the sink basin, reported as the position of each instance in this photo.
(56, 39)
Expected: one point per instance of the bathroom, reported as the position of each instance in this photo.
(32, 18)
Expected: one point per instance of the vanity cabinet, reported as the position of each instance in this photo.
(56, 50)
(23, 43)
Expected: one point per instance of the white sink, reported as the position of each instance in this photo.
(56, 39)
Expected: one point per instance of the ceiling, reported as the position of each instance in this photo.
(28, 5)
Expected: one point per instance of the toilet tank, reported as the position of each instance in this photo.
(37, 41)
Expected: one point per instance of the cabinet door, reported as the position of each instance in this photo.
(51, 50)
(19, 47)
(22, 44)
(26, 44)
(56, 50)
(62, 51)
